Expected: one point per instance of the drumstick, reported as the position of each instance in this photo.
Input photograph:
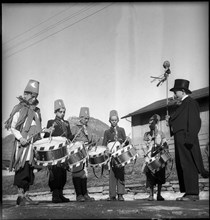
(77, 134)
(53, 125)
(35, 134)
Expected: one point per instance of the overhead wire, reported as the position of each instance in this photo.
(59, 30)
(37, 25)
(49, 28)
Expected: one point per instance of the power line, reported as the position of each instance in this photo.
(49, 28)
(59, 30)
(19, 35)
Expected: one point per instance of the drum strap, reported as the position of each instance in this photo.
(134, 165)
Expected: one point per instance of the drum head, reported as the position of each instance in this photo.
(96, 151)
(113, 146)
(47, 142)
(74, 147)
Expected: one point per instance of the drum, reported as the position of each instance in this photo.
(165, 156)
(113, 146)
(50, 151)
(98, 156)
(154, 164)
(76, 154)
(125, 155)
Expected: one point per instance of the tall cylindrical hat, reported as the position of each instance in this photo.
(33, 87)
(84, 112)
(58, 104)
(113, 113)
(180, 84)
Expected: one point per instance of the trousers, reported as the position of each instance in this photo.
(116, 181)
(24, 177)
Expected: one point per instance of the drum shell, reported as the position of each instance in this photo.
(77, 154)
(50, 151)
(165, 156)
(98, 157)
(154, 165)
(125, 155)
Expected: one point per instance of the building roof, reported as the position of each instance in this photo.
(196, 94)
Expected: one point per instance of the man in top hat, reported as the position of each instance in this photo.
(115, 135)
(25, 124)
(58, 174)
(155, 141)
(82, 133)
(185, 124)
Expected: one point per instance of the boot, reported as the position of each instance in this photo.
(55, 196)
(64, 199)
(21, 201)
(84, 190)
(80, 198)
(120, 197)
(77, 181)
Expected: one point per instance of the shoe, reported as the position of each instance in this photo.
(56, 200)
(113, 198)
(61, 196)
(188, 198)
(31, 202)
(120, 197)
(56, 196)
(64, 199)
(205, 174)
(80, 198)
(150, 198)
(88, 198)
(160, 198)
(21, 201)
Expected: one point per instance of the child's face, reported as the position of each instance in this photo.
(84, 120)
(152, 126)
(114, 121)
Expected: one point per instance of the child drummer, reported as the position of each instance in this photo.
(155, 142)
(116, 135)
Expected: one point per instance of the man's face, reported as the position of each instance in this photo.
(61, 113)
(114, 121)
(84, 120)
(178, 94)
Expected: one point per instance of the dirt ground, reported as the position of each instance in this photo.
(139, 209)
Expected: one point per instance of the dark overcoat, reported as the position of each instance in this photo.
(185, 124)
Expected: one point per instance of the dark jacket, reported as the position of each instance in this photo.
(187, 119)
(110, 134)
(62, 128)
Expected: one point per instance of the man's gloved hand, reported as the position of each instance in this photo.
(188, 141)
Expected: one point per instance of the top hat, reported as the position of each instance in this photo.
(58, 104)
(180, 84)
(84, 112)
(155, 118)
(33, 87)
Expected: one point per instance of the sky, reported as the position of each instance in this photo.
(101, 55)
